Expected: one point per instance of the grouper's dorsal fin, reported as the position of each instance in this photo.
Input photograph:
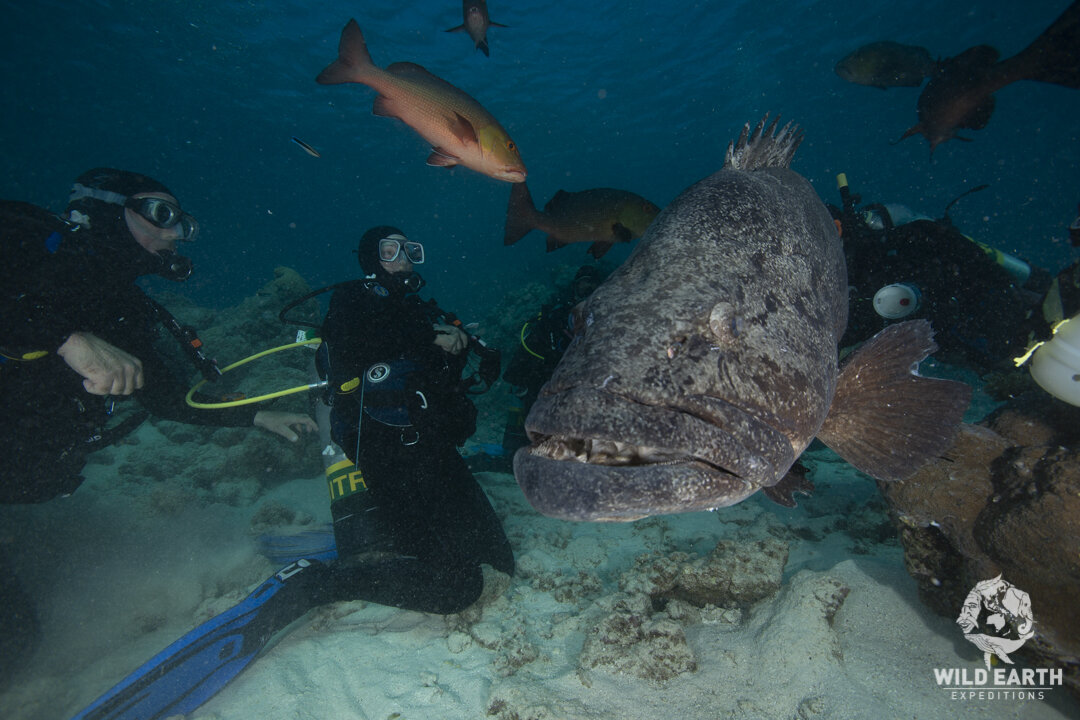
(764, 147)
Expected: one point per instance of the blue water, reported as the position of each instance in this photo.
(645, 96)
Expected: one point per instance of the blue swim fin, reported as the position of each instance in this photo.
(190, 671)
(317, 544)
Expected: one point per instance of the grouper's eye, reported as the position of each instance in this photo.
(577, 322)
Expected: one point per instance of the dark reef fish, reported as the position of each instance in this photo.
(601, 216)
(961, 92)
(476, 23)
(887, 64)
(707, 362)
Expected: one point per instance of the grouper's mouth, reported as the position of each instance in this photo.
(605, 452)
(699, 455)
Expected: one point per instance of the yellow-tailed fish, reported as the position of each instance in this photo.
(601, 216)
(459, 129)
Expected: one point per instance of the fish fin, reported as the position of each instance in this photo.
(1054, 56)
(885, 418)
(482, 46)
(599, 249)
(795, 481)
(383, 107)
(441, 158)
(520, 214)
(913, 130)
(495, 24)
(463, 130)
(621, 233)
(763, 147)
(459, 28)
(352, 61)
(416, 72)
(557, 199)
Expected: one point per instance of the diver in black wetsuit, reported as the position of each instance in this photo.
(74, 328)
(415, 530)
(411, 524)
(983, 304)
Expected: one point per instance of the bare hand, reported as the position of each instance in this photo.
(107, 369)
(451, 338)
(284, 423)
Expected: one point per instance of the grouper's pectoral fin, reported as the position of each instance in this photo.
(795, 481)
(885, 419)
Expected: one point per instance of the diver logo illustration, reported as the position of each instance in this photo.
(996, 617)
(1007, 611)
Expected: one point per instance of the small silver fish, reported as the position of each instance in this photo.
(307, 148)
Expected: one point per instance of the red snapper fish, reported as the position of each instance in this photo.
(458, 127)
(476, 23)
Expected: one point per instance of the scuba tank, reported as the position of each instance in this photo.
(343, 477)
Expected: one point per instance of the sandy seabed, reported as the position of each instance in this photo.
(121, 569)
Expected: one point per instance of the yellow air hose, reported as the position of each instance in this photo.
(260, 398)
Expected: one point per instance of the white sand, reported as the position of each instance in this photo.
(120, 573)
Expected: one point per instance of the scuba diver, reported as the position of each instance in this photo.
(543, 340)
(411, 526)
(413, 530)
(75, 328)
(984, 304)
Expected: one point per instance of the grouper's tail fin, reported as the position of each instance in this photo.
(885, 419)
(764, 147)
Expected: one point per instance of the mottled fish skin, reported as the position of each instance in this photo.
(713, 348)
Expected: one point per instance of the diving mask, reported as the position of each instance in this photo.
(391, 248)
(156, 211)
(164, 214)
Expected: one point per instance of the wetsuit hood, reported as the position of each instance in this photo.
(105, 229)
(367, 252)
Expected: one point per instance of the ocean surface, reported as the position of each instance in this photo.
(643, 96)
